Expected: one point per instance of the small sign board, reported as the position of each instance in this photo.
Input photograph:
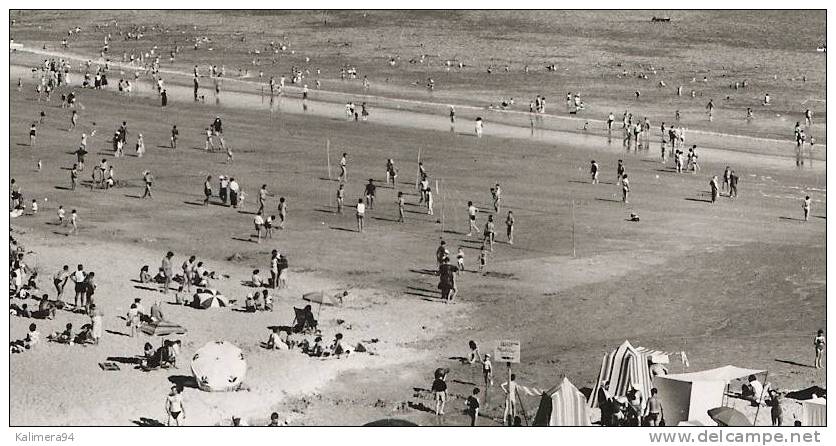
(507, 351)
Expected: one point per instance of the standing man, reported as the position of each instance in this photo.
(620, 170)
(361, 214)
(340, 198)
(807, 206)
(174, 134)
(733, 179)
(715, 189)
(655, 412)
(510, 389)
(274, 269)
(471, 217)
(344, 168)
(262, 197)
(509, 226)
(188, 273)
(234, 191)
(207, 190)
(148, 179)
(370, 193)
(490, 233)
(167, 271)
(78, 278)
(60, 280)
(594, 169)
(282, 212)
(726, 178)
(400, 207)
(625, 188)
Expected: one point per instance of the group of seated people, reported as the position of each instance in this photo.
(258, 301)
(163, 357)
(754, 391)
(46, 309)
(71, 337)
(201, 276)
(280, 339)
(33, 337)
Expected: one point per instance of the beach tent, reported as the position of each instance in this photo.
(814, 412)
(206, 298)
(623, 367)
(688, 396)
(219, 367)
(563, 405)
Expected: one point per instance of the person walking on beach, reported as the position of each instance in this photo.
(174, 135)
(714, 188)
(733, 179)
(489, 234)
(479, 127)
(274, 269)
(74, 177)
(73, 121)
(429, 194)
(819, 342)
(188, 273)
(391, 172)
(167, 271)
(509, 227)
(726, 178)
(174, 407)
(361, 214)
(807, 206)
(439, 389)
(471, 218)
(282, 212)
(400, 207)
(262, 198)
(60, 281)
(370, 193)
(625, 188)
(340, 198)
(149, 180)
(73, 223)
(593, 171)
(452, 119)
(344, 168)
(33, 133)
(207, 190)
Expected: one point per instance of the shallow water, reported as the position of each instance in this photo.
(411, 119)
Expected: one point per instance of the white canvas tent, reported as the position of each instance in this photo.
(563, 405)
(814, 412)
(688, 396)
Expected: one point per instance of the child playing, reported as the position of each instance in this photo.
(487, 370)
(133, 319)
(472, 405)
(256, 279)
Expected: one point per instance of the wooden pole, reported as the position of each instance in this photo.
(573, 229)
(441, 198)
(509, 421)
(418, 171)
(328, 155)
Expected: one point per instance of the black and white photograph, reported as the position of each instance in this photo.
(445, 218)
